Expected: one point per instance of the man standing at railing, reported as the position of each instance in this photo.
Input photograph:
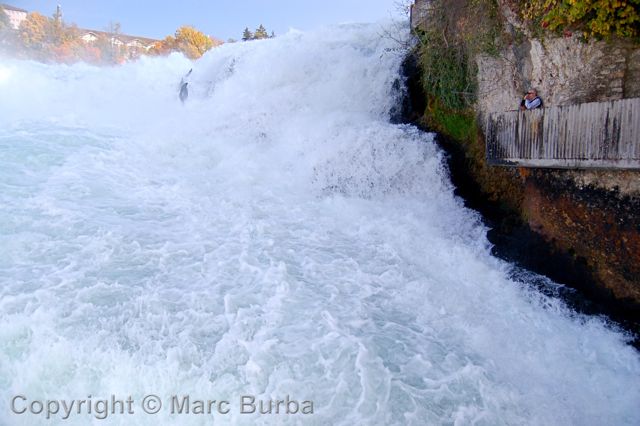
(531, 100)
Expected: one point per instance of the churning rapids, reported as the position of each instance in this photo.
(273, 236)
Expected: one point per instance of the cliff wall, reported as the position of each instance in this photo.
(590, 217)
(565, 70)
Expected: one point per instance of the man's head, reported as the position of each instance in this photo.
(531, 94)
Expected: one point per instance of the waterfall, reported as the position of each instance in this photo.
(275, 237)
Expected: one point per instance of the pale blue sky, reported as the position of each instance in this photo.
(223, 19)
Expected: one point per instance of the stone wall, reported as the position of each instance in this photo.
(419, 13)
(564, 70)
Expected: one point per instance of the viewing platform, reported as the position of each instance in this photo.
(603, 135)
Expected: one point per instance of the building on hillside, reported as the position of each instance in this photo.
(133, 45)
(128, 41)
(89, 36)
(15, 14)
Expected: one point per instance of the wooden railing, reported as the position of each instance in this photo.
(591, 135)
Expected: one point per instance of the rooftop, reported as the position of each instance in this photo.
(9, 7)
(121, 37)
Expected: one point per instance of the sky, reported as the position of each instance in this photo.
(223, 19)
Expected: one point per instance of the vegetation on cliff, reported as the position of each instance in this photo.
(594, 18)
(458, 31)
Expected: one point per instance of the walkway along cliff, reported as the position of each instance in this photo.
(564, 209)
(594, 135)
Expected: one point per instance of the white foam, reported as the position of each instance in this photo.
(273, 236)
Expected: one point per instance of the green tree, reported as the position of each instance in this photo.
(247, 35)
(57, 27)
(260, 33)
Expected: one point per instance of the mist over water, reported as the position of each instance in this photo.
(273, 236)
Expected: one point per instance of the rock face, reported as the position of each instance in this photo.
(597, 225)
(593, 215)
(564, 70)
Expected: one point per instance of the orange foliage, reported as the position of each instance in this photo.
(35, 31)
(43, 38)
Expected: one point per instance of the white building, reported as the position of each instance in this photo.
(132, 43)
(89, 37)
(135, 44)
(15, 14)
(115, 41)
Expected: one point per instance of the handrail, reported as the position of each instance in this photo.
(589, 135)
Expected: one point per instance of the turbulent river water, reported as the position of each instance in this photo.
(274, 237)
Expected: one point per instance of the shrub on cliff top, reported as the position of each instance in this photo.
(595, 18)
(457, 31)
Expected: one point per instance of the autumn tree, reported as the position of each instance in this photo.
(68, 47)
(110, 46)
(164, 47)
(80, 51)
(192, 42)
(110, 51)
(49, 38)
(35, 31)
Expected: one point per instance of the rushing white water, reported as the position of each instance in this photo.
(274, 236)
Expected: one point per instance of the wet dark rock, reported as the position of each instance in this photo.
(527, 234)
